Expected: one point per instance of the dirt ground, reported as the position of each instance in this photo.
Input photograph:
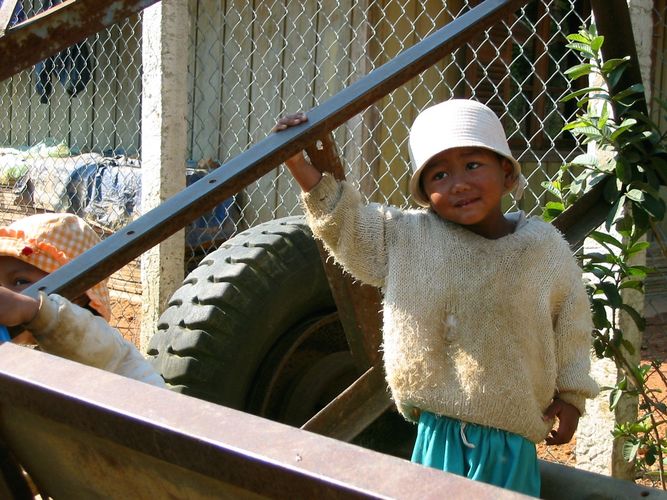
(126, 317)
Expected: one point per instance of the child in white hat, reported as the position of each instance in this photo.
(35, 246)
(486, 322)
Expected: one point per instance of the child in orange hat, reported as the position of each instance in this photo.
(35, 246)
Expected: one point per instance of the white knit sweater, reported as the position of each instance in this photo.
(72, 332)
(485, 331)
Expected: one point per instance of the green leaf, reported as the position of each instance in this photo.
(637, 247)
(551, 210)
(623, 170)
(552, 187)
(654, 206)
(633, 284)
(604, 116)
(601, 237)
(596, 43)
(579, 37)
(579, 70)
(598, 347)
(635, 195)
(583, 48)
(639, 272)
(634, 314)
(585, 159)
(600, 319)
(614, 398)
(611, 64)
(611, 190)
(615, 213)
(630, 450)
(580, 92)
(592, 133)
(628, 346)
(612, 294)
(637, 88)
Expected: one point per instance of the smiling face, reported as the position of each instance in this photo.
(466, 186)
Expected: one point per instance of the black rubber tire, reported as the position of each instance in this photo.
(222, 332)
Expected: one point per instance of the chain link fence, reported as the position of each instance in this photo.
(70, 128)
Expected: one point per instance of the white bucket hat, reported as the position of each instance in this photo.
(454, 124)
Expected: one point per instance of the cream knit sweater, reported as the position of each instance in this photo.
(485, 331)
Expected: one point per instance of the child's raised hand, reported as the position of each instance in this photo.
(15, 308)
(303, 171)
(568, 420)
(288, 121)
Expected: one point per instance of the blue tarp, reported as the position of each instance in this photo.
(107, 192)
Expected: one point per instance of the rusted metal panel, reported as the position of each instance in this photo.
(562, 482)
(86, 433)
(51, 31)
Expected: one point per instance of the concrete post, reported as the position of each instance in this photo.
(163, 147)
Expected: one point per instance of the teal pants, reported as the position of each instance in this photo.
(480, 453)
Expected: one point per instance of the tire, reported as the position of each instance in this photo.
(254, 327)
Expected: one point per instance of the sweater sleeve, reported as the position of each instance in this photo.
(72, 332)
(573, 327)
(352, 232)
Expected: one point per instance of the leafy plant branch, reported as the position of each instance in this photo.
(631, 162)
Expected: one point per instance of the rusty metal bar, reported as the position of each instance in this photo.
(114, 252)
(354, 409)
(358, 305)
(63, 25)
(82, 432)
(612, 18)
(583, 216)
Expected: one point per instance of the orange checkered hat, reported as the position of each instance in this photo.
(49, 241)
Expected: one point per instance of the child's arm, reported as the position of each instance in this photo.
(305, 174)
(67, 330)
(353, 232)
(572, 330)
(568, 420)
(15, 308)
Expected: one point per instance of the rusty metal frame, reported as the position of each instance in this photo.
(46, 34)
(128, 243)
(100, 430)
(85, 432)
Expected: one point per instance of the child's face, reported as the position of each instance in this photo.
(466, 186)
(18, 275)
